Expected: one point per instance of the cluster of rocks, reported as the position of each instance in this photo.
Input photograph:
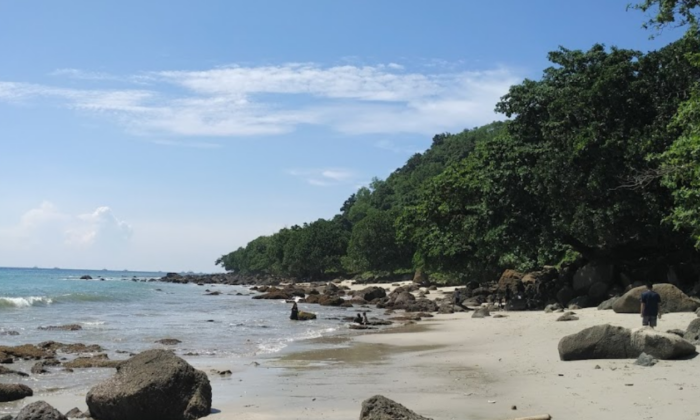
(612, 342)
(153, 385)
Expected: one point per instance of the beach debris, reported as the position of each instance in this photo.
(491, 402)
(40, 410)
(154, 384)
(514, 407)
(645, 360)
(597, 367)
(629, 384)
(14, 392)
(379, 407)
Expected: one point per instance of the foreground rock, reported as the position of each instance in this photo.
(14, 392)
(40, 410)
(692, 334)
(672, 300)
(153, 385)
(382, 408)
(610, 342)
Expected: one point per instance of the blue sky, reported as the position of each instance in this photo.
(160, 135)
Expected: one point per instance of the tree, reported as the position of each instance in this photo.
(670, 12)
(373, 245)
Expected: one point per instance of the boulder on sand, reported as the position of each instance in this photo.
(382, 408)
(692, 334)
(40, 410)
(153, 385)
(672, 300)
(610, 342)
(14, 392)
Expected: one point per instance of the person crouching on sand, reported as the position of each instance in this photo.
(650, 301)
(295, 312)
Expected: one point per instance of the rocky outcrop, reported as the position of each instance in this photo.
(6, 371)
(27, 352)
(14, 392)
(69, 327)
(608, 304)
(153, 385)
(610, 342)
(96, 361)
(692, 333)
(40, 410)
(371, 293)
(305, 316)
(382, 408)
(591, 274)
(672, 300)
(509, 279)
(168, 341)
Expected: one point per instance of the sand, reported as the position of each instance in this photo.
(456, 367)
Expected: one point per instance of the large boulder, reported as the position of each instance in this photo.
(672, 300)
(608, 304)
(40, 410)
(692, 333)
(382, 408)
(661, 345)
(371, 293)
(610, 342)
(14, 392)
(509, 279)
(598, 342)
(153, 385)
(591, 274)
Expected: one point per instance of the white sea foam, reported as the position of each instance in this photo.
(24, 302)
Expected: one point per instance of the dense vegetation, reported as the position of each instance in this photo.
(599, 160)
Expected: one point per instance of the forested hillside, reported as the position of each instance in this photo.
(599, 160)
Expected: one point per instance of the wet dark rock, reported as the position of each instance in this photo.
(86, 277)
(97, 361)
(26, 352)
(69, 327)
(40, 410)
(6, 371)
(169, 341)
(152, 385)
(14, 392)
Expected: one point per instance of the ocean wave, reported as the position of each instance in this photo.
(24, 302)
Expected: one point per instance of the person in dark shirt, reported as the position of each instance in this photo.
(650, 306)
(295, 312)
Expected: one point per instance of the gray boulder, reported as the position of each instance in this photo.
(609, 342)
(672, 300)
(153, 385)
(371, 293)
(382, 408)
(645, 360)
(661, 345)
(608, 304)
(569, 316)
(481, 313)
(590, 274)
(14, 392)
(598, 342)
(692, 333)
(40, 410)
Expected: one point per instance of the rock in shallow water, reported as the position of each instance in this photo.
(40, 410)
(153, 385)
(14, 392)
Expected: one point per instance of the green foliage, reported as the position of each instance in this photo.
(373, 245)
(670, 12)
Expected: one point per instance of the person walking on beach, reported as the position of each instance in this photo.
(295, 312)
(456, 299)
(365, 321)
(650, 306)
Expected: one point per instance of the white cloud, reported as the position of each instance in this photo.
(98, 228)
(325, 177)
(269, 100)
(192, 145)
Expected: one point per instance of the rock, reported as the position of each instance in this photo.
(598, 342)
(551, 308)
(509, 279)
(69, 327)
(598, 291)
(274, 293)
(581, 301)
(564, 295)
(96, 361)
(306, 316)
(645, 360)
(86, 277)
(569, 316)
(677, 332)
(27, 352)
(6, 371)
(672, 300)
(75, 413)
(13, 392)
(660, 345)
(692, 333)
(516, 304)
(608, 304)
(590, 274)
(481, 313)
(40, 410)
(152, 385)
(169, 341)
(382, 408)
(371, 293)
(609, 342)
(546, 274)
(40, 367)
(420, 305)
(8, 332)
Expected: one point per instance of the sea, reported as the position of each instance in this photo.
(127, 312)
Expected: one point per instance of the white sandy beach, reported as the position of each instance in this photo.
(456, 367)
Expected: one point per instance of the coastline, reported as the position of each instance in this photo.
(451, 366)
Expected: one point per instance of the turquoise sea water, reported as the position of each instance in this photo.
(124, 312)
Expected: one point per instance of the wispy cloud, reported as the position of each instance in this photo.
(269, 100)
(325, 177)
(192, 145)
